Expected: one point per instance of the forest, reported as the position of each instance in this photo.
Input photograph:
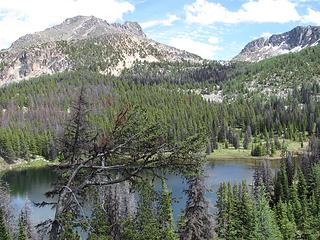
(112, 138)
(32, 113)
(104, 169)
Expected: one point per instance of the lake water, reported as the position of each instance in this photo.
(31, 185)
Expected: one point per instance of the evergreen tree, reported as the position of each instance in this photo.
(68, 232)
(166, 215)
(100, 227)
(266, 225)
(318, 129)
(22, 235)
(246, 213)
(287, 227)
(4, 234)
(295, 203)
(222, 212)
(198, 221)
(281, 185)
(145, 225)
(76, 139)
(247, 138)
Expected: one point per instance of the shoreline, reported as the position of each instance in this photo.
(35, 163)
(231, 155)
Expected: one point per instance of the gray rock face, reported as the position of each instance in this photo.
(83, 41)
(76, 28)
(292, 41)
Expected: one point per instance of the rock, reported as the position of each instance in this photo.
(83, 42)
(292, 41)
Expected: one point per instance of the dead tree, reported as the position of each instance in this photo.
(7, 211)
(26, 221)
(198, 222)
(77, 135)
(118, 203)
(134, 145)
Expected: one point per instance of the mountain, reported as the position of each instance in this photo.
(84, 42)
(278, 76)
(277, 44)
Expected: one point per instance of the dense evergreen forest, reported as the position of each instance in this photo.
(279, 204)
(32, 112)
(263, 105)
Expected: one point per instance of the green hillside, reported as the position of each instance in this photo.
(279, 75)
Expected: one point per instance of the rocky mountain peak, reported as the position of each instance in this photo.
(291, 41)
(77, 28)
(84, 42)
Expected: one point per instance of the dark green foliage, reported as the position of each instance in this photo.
(286, 223)
(33, 111)
(258, 150)
(226, 226)
(181, 72)
(247, 138)
(100, 227)
(4, 234)
(153, 219)
(246, 214)
(68, 232)
(166, 215)
(285, 206)
(266, 226)
(283, 72)
(22, 234)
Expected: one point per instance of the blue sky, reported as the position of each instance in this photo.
(213, 29)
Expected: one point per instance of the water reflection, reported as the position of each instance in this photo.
(31, 184)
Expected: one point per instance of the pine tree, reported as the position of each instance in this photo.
(22, 235)
(147, 225)
(315, 204)
(287, 227)
(76, 139)
(246, 213)
(4, 234)
(129, 230)
(68, 232)
(100, 227)
(231, 213)
(247, 138)
(166, 215)
(318, 128)
(222, 213)
(266, 226)
(198, 221)
(295, 202)
(281, 190)
(302, 186)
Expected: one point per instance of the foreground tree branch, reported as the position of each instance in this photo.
(134, 145)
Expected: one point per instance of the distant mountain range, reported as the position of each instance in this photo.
(84, 42)
(277, 44)
(87, 42)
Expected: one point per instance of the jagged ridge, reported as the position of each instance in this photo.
(84, 42)
(292, 41)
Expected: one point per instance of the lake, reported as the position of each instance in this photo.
(31, 185)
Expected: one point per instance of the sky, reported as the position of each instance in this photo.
(213, 29)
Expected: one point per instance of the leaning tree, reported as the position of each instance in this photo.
(134, 145)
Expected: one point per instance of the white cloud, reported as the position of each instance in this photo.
(213, 40)
(165, 22)
(204, 50)
(19, 17)
(312, 17)
(259, 11)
